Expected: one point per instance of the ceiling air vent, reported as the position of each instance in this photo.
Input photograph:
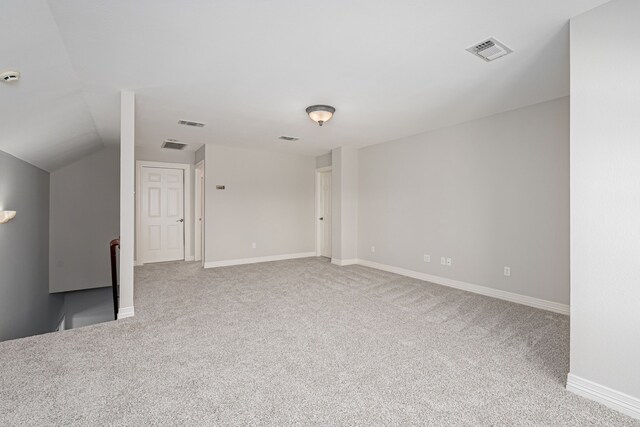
(173, 144)
(490, 50)
(190, 123)
(288, 138)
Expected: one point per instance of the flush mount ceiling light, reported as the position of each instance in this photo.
(320, 113)
(6, 216)
(10, 76)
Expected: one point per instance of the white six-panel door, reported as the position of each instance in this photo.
(162, 214)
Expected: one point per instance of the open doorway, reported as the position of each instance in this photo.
(323, 212)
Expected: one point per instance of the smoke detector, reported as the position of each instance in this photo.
(288, 138)
(173, 144)
(10, 76)
(489, 50)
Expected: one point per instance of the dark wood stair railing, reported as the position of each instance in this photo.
(115, 243)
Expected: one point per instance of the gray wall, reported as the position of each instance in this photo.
(164, 155)
(26, 308)
(324, 160)
(269, 199)
(489, 193)
(605, 197)
(88, 307)
(199, 155)
(85, 217)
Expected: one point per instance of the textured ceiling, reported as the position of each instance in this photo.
(249, 69)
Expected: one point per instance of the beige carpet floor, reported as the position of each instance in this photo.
(299, 342)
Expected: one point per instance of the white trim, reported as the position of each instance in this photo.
(62, 324)
(343, 262)
(188, 218)
(198, 226)
(317, 213)
(622, 402)
(469, 287)
(125, 312)
(241, 261)
(137, 264)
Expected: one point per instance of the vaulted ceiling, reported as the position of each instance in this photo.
(248, 69)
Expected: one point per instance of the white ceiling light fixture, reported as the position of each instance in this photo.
(320, 113)
(10, 76)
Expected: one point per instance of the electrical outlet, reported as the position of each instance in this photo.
(373, 248)
(427, 258)
(507, 271)
(443, 261)
(253, 245)
(448, 262)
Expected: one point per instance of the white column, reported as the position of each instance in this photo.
(344, 207)
(127, 201)
(605, 206)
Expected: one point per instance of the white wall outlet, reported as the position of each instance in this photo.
(448, 262)
(253, 245)
(373, 248)
(427, 258)
(507, 271)
(443, 261)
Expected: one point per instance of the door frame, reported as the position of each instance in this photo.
(188, 218)
(317, 213)
(198, 226)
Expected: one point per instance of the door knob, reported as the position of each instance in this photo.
(180, 220)
(321, 218)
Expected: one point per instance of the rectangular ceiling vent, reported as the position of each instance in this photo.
(172, 144)
(490, 50)
(190, 123)
(288, 138)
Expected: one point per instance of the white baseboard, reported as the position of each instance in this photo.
(137, 264)
(621, 402)
(190, 258)
(477, 289)
(241, 261)
(125, 312)
(343, 262)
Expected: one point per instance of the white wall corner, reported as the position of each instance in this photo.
(125, 312)
(621, 402)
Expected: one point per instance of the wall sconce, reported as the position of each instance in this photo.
(6, 216)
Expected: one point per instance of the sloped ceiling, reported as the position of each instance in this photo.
(248, 69)
(44, 119)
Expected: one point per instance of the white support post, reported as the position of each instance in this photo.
(127, 201)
